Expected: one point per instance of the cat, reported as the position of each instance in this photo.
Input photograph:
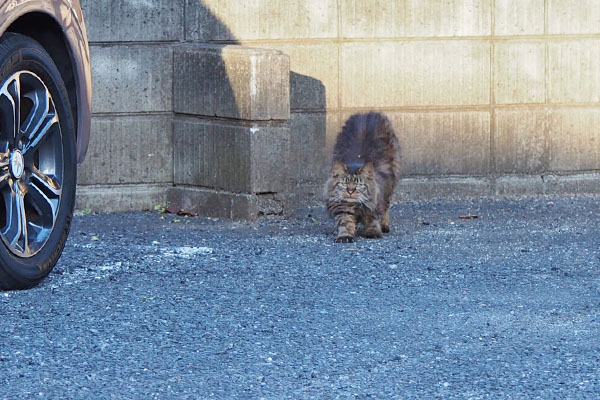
(366, 167)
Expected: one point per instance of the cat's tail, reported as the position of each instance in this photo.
(385, 134)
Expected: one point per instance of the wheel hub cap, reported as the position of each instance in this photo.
(17, 164)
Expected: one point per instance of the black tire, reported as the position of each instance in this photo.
(36, 202)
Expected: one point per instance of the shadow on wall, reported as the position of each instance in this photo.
(307, 160)
(308, 143)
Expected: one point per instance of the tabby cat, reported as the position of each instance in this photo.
(366, 166)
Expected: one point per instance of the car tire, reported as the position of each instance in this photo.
(37, 162)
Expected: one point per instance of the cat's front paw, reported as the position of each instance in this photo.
(344, 239)
(373, 234)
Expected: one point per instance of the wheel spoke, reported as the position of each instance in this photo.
(4, 169)
(4, 161)
(4, 178)
(15, 231)
(37, 135)
(44, 201)
(39, 110)
(45, 183)
(10, 106)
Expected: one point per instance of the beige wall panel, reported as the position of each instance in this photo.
(574, 71)
(574, 139)
(519, 140)
(434, 142)
(443, 142)
(519, 17)
(422, 73)
(271, 19)
(415, 18)
(519, 72)
(314, 74)
(573, 16)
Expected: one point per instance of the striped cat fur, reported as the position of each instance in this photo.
(366, 167)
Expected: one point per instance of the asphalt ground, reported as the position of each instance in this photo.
(486, 299)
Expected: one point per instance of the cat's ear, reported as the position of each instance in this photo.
(367, 170)
(338, 169)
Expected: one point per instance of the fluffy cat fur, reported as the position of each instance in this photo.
(366, 167)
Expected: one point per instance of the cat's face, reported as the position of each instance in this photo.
(348, 186)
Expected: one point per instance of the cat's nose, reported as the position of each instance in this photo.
(351, 189)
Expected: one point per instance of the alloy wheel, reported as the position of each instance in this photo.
(31, 163)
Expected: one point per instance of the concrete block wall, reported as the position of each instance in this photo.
(129, 164)
(230, 134)
(190, 124)
(488, 97)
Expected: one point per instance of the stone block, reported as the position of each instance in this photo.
(308, 94)
(573, 17)
(427, 189)
(334, 122)
(210, 203)
(577, 184)
(520, 140)
(129, 149)
(218, 20)
(231, 82)
(518, 17)
(574, 139)
(519, 72)
(309, 195)
(133, 21)
(415, 73)
(217, 204)
(132, 78)
(574, 71)
(415, 18)
(230, 157)
(314, 78)
(120, 197)
(442, 143)
(519, 186)
(307, 148)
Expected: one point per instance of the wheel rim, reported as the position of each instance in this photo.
(31, 164)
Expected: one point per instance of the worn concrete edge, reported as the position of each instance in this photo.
(458, 188)
(104, 198)
(212, 203)
(505, 186)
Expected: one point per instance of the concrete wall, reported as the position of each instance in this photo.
(488, 97)
(130, 159)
